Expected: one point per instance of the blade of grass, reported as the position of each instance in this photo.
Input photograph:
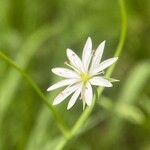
(125, 111)
(128, 96)
(37, 136)
(56, 115)
(23, 58)
(145, 103)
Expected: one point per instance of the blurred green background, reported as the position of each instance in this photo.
(36, 34)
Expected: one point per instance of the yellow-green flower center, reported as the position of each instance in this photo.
(84, 77)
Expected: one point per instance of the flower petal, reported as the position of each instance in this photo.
(74, 98)
(64, 94)
(97, 55)
(62, 83)
(64, 72)
(88, 94)
(87, 53)
(103, 65)
(74, 60)
(99, 81)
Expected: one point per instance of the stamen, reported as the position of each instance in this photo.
(93, 52)
(66, 63)
(102, 72)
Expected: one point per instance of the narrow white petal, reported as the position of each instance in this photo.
(74, 60)
(62, 83)
(103, 65)
(99, 81)
(88, 94)
(98, 55)
(74, 98)
(87, 53)
(64, 72)
(64, 94)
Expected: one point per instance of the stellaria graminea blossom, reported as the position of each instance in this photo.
(82, 75)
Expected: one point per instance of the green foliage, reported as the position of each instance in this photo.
(33, 39)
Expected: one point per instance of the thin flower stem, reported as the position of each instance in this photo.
(83, 117)
(75, 130)
(122, 35)
(88, 110)
(57, 117)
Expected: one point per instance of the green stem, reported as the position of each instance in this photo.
(122, 35)
(82, 118)
(56, 115)
(87, 112)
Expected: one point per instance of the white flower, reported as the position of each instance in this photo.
(82, 75)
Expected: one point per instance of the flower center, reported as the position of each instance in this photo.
(84, 77)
